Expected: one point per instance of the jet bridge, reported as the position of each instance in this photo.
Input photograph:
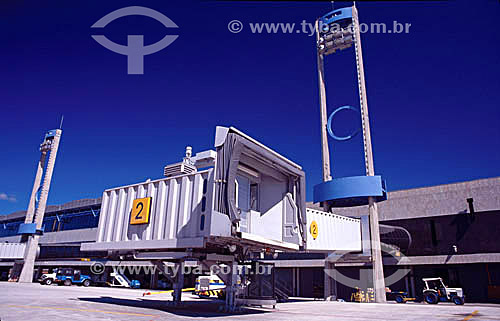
(224, 206)
(12, 251)
(244, 194)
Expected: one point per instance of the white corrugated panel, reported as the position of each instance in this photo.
(334, 232)
(12, 250)
(177, 206)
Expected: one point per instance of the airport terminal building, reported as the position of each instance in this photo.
(447, 231)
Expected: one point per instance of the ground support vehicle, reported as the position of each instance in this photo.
(435, 291)
(69, 276)
(48, 278)
(398, 296)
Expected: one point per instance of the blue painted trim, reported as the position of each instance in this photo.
(27, 228)
(350, 191)
(329, 124)
(51, 133)
(335, 16)
(30, 228)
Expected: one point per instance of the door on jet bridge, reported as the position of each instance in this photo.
(243, 201)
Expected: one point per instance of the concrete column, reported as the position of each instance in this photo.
(365, 235)
(29, 259)
(36, 185)
(378, 268)
(297, 270)
(30, 213)
(178, 284)
(334, 285)
(407, 285)
(327, 288)
(325, 152)
(154, 279)
(378, 271)
(32, 245)
(412, 282)
(330, 283)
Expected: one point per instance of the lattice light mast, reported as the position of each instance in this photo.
(335, 31)
(32, 227)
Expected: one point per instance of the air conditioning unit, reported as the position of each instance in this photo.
(184, 167)
(178, 169)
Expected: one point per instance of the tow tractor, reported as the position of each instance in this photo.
(209, 285)
(398, 296)
(435, 291)
(69, 276)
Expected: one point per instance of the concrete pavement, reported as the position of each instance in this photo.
(40, 302)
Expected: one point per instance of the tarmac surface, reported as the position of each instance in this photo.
(74, 303)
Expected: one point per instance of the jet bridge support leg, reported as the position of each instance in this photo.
(328, 282)
(154, 280)
(230, 279)
(176, 277)
(231, 288)
(178, 283)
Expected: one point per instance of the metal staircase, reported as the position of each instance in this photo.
(281, 289)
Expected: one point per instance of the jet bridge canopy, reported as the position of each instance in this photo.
(241, 159)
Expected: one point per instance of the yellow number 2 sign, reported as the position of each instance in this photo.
(140, 211)
(314, 229)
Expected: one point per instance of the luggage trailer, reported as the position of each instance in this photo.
(226, 206)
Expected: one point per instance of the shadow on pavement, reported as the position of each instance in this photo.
(205, 309)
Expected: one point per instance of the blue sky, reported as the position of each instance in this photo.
(432, 93)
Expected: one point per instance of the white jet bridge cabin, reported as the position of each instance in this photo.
(220, 207)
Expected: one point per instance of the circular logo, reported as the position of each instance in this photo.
(135, 49)
(329, 124)
(235, 26)
(314, 229)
